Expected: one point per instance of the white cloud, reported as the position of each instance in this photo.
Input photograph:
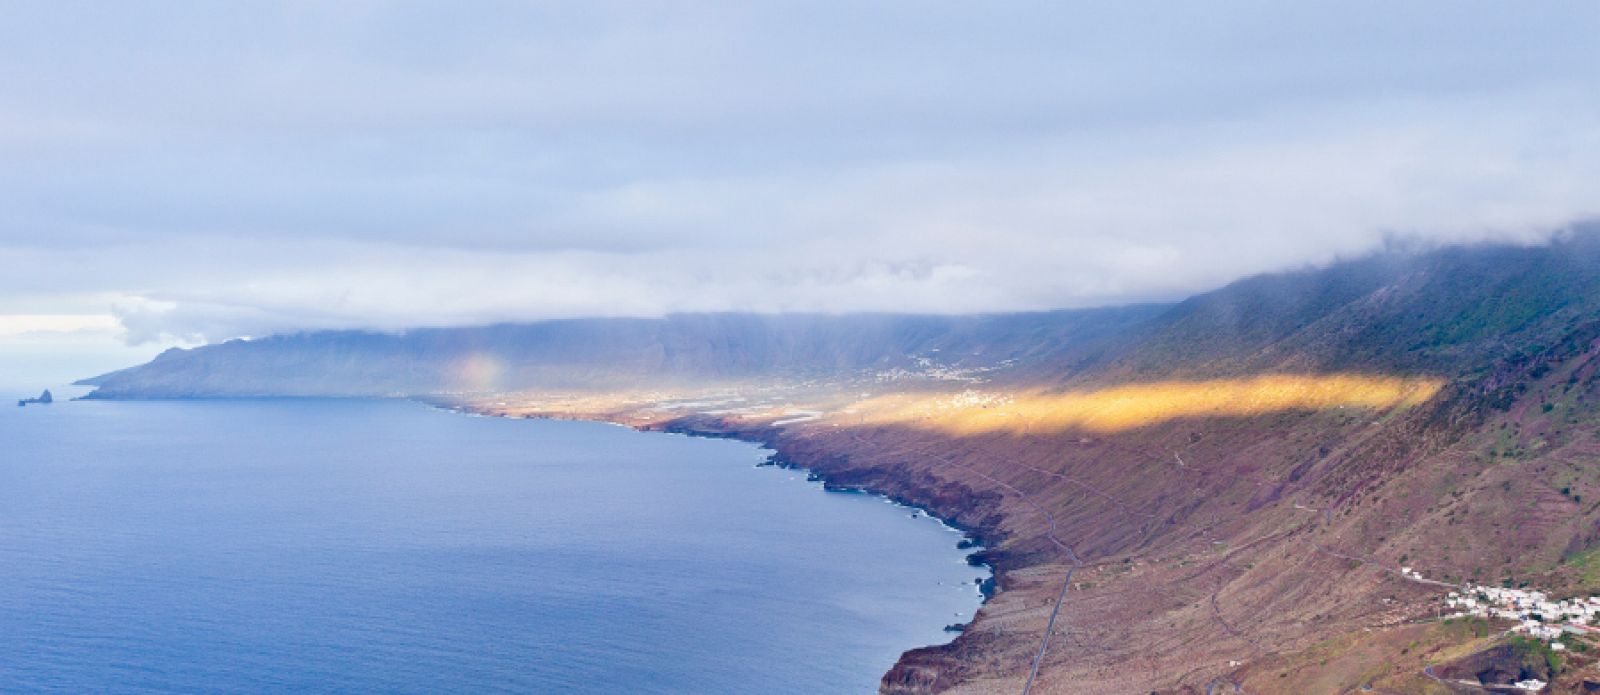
(14, 325)
(277, 167)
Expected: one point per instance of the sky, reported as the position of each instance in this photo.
(179, 173)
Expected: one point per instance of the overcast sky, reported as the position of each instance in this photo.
(197, 171)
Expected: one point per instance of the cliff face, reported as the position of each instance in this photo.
(1212, 543)
(1452, 312)
(1448, 312)
(604, 353)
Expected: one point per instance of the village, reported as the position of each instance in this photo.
(1533, 612)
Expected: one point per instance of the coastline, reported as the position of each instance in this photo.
(593, 549)
(1151, 560)
(909, 672)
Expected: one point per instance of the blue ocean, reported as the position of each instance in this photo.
(385, 546)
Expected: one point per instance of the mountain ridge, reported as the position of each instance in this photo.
(578, 352)
(1445, 311)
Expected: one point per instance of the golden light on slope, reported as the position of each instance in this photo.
(1136, 405)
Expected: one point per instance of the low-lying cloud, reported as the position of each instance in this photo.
(249, 169)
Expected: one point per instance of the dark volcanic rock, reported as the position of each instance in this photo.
(1499, 665)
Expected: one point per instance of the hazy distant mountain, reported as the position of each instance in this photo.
(1446, 312)
(611, 352)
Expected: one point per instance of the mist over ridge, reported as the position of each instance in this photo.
(1406, 312)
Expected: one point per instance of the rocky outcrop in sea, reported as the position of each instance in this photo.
(43, 399)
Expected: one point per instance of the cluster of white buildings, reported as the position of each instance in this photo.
(1536, 615)
(930, 368)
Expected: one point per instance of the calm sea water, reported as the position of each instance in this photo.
(251, 546)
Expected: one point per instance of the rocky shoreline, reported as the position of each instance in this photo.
(920, 670)
(927, 669)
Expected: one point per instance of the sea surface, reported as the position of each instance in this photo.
(385, 546)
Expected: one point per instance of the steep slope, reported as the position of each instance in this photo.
(1450, 312)
(1264, 549)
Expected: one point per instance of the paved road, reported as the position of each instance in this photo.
(1384, 567)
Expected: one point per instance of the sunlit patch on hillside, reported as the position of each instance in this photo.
(1126, 407)
(478, 372)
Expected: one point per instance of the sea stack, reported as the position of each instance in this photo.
(45, 398)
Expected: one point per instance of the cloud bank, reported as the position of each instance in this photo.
(239, 169)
